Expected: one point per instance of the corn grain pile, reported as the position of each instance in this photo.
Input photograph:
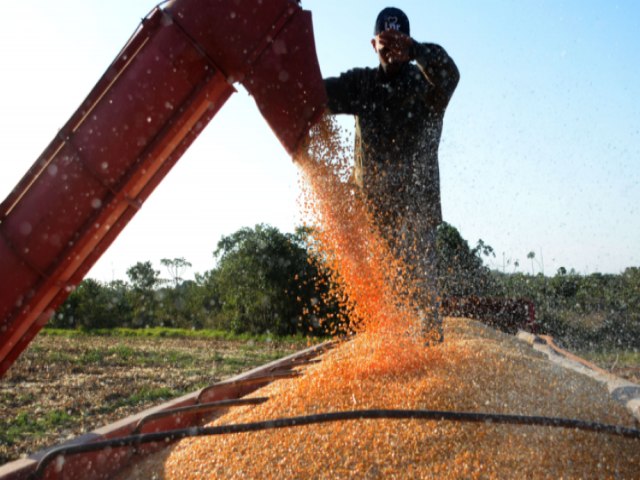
(476, 369)
(386, 366)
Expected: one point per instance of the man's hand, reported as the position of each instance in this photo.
(394, 46)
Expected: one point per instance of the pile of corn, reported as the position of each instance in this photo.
(476, 369)
(386, 366)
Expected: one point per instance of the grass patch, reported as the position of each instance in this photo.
(164, 332)
(24, 424)
(246, 355)
(124, 355)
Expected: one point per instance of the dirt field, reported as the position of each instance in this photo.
(63, 387)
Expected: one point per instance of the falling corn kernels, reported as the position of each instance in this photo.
(386, 366)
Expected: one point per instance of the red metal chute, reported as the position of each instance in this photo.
(160, 92)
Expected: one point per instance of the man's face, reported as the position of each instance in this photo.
(384, 54)
(392, 48)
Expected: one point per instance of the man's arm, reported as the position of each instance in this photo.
(438, 68)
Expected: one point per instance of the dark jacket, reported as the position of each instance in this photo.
(398, 128)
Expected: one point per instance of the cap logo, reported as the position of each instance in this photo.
(391, 23)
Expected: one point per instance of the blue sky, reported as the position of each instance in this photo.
(541, 147)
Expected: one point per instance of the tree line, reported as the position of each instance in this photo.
(594, 311)
(584, 311)
(266, 281)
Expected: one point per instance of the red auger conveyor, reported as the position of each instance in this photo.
(170, 79)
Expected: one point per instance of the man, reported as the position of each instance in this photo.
(399, 109)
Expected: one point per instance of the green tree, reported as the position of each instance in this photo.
(174, 308)
(194, 312)
(143, 276)
(263, 281)
(531, 255)
(144, 280)
(460, 268)
(209, 300)
(176, 267)
(88, 306)
(119, 298)
(564, 286)
(181, 306)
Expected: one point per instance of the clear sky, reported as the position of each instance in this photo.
(540, 152)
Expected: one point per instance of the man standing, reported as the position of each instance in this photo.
(399, 109)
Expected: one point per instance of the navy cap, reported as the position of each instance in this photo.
(392, 18)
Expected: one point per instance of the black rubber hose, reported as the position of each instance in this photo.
(488, 418)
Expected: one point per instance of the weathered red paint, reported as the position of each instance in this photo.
(160, 92)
